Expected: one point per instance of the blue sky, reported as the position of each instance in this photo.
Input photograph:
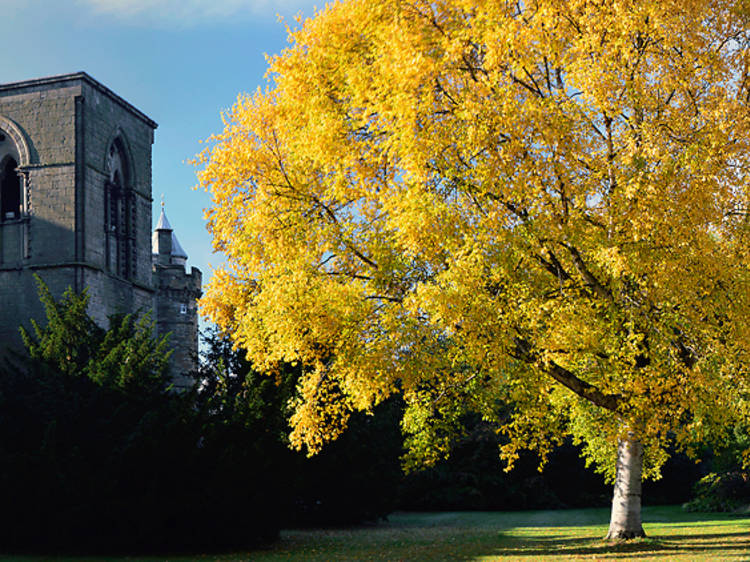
(181, 62)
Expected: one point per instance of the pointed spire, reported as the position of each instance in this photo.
(178, 253)
(163, 223)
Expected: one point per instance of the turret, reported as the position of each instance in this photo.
(164, 244)
(175, 307)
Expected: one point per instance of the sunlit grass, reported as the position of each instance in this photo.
(526, 535)
(533, 535)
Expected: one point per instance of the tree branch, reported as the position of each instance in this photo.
(588, 277)
(566, 378)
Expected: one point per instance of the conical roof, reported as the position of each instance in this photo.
(163, 224)
(177, 250)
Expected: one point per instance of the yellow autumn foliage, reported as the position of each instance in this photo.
(486, 205)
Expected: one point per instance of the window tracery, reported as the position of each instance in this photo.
(119, 214)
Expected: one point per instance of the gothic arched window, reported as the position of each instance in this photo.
(10, 190)
(119, 214)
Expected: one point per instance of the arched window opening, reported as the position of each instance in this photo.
(10, 191)
(119, 214)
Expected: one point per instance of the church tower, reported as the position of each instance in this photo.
(75, 199)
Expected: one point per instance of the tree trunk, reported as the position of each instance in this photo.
(625, 522)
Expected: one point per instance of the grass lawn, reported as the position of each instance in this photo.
(530, 535)
(526, 535)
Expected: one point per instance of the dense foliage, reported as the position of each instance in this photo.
(726, 491)
(98, 455)
(355, 480)
(727, 486)
(472, 478)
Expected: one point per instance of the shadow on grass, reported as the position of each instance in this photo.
(669, 545)
(584, 547)
(549, 534)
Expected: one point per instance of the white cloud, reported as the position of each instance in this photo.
(191, 12)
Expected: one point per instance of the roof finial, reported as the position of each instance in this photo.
(162, 200)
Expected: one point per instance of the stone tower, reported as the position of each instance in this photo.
(75, 199)
(175, 308)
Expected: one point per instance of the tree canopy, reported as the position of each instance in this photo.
(478, 203)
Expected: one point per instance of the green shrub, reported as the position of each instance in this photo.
(720, 492)
(98, 456)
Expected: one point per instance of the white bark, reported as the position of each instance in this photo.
(625, 522)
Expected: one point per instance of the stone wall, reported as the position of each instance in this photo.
(67, 123)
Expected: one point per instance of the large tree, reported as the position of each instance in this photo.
(481, 203)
